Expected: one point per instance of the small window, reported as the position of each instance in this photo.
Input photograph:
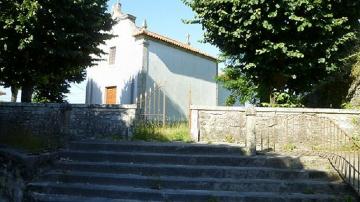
(112, 55)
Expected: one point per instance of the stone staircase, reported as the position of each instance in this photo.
(138, 171)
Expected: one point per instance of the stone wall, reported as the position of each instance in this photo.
(17, 168)
(72, 121)
(228, 124)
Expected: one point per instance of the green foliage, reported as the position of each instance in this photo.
(308, 191)
(352, 99)
(279, 46)
(230, 138)
(168, 133)
(46, 45)
(356, 128)
(348, 199)
(348, 105)
(283, 99)
(38, 98)
(287, 105)
(355, 70)
(289, 147)
(329, 93)
(242, 89)
(213, 199)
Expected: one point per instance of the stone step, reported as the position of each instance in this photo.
(216, 184)
(154, 147)
(41, 197)
(138, 171)
(126, 192)
(194, 171)
(182, 159)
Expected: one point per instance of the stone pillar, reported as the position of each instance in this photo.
(250, 130)
(65, 112)
(194, 125)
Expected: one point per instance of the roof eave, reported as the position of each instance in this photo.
(196, 52)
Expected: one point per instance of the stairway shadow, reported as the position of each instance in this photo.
(142, 171)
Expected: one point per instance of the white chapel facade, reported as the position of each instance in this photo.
(138, 59)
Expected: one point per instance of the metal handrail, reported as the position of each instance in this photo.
(314, 134)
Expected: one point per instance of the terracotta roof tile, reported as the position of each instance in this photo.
(173, 42)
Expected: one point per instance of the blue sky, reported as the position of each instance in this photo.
(163, 17)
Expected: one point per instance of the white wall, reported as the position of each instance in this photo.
(7, 96)
(223, 94)
(181, 72)
(121, 74)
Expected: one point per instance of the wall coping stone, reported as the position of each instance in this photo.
(60, 105)
(278, 110)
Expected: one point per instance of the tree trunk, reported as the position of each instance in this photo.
(272, 98)
(26, 93)
(265, 93)
(14, 93)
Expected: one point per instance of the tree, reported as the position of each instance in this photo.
(242, 89)
(279, 46)
(353, 94)
(46, 45)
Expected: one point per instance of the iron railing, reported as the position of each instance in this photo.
(312, 134)
(152, 105)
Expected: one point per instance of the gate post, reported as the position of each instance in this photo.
(194, 125)
(250, 130)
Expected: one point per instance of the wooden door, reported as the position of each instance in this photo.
(111, 95)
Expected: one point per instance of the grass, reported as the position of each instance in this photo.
(308, 191)
(348, 199)
(30, 143)
(169, 133)
(289, 147)
(230, 139)
(338, 148)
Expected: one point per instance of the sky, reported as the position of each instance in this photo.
(163, 17)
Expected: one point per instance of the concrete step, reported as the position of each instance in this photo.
(41, 197)
(138, 171)
(126, 192)
(182, 159)
(194, 171)
(216, 184)
(155, 147)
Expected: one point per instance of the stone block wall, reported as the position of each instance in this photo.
(17, 168)
(221, 126)
(72, 121)
(228, 124)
